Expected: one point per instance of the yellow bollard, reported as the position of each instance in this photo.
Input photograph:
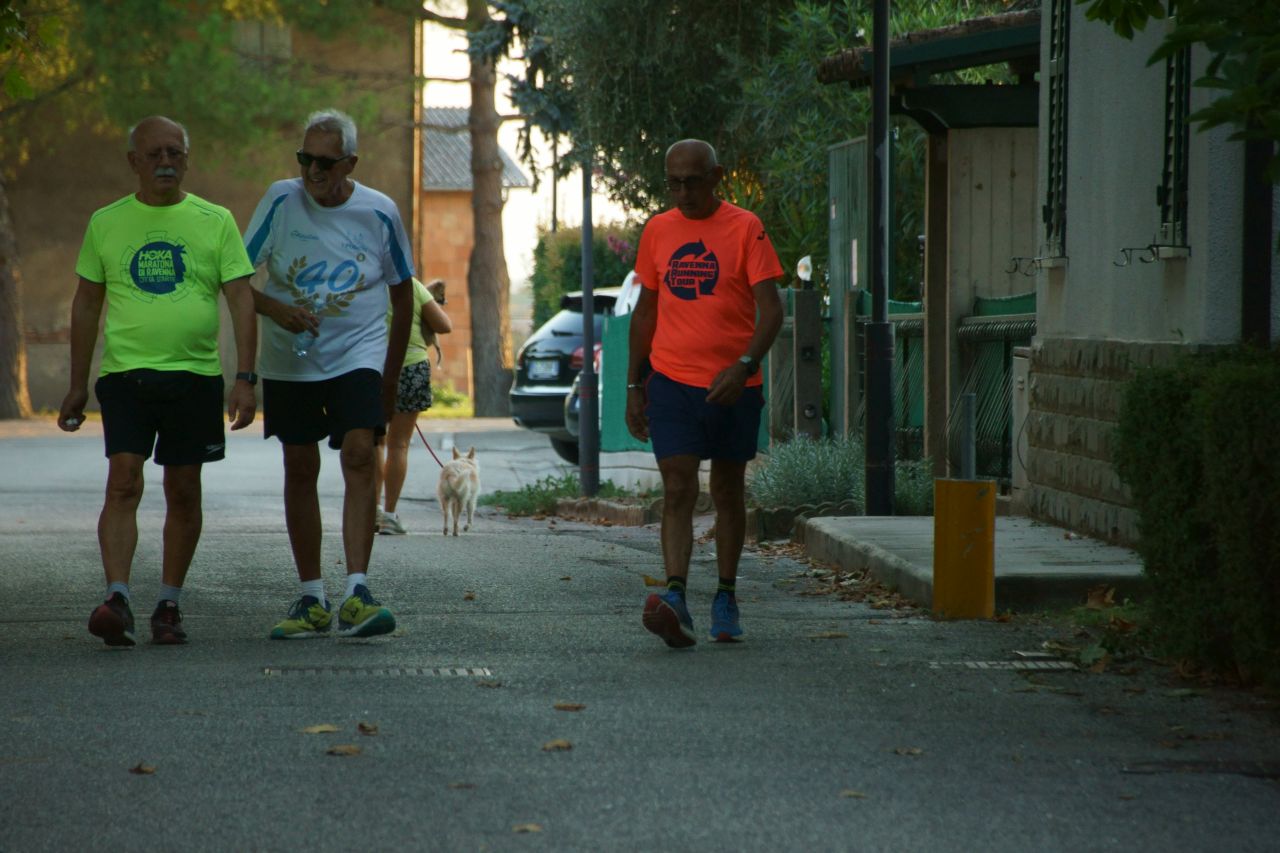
(964, 538)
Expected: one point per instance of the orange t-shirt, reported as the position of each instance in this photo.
(703, 270)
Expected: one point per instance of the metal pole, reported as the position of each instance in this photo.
(968, 430)
(879, 341)
(588, 382)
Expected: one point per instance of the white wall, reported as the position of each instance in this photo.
(1115, 147)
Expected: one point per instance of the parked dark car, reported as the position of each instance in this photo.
(547, 365)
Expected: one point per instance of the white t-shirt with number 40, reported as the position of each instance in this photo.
(339, 261)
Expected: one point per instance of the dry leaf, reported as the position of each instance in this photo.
(569, 706)
(367, 728)
(1101, 597)
(462, 785)
(567, 578)
(527, 827)
(343, 749)
(649, 580)
(141, 769)
(1128, 797)
(557, 745)
(1137, 691)
(909, 750)
(853, 795)
(468, 596)
(828, 635)
(321, 729)
(488, 684)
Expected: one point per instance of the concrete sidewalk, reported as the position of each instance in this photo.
(1036, 565)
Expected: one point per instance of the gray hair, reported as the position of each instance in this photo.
(334, 121)
(133, 131)
(705, 149)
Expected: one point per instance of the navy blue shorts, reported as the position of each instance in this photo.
(176, 412)
(682, 422)
(305, 412)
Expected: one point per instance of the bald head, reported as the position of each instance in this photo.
(693, 154)
(150, 124)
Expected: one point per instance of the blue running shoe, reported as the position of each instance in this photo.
(724, 618)
(667, 616)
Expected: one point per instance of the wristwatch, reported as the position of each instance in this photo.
(751, 363)
(248, 376)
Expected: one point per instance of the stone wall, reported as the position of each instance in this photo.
(1076, 388)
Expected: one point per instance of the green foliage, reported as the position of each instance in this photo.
(557, 264)
(1197, 446)
(1242, 38)
(539, 497)
(831, 470)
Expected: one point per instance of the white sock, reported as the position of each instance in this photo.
(169, 593)
(314, 588)
(353, 580)
(120, 587)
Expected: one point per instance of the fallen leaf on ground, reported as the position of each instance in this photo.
(366, 728)
(569, 706)
(1182, 693)
(909, 750)
(1135, 690)
(853, 795)
(829, 635)
(567, 578)
(527, 827)
(468, 596)
(462, 785)
(1101, 597)
(141, 769)
(488, 684)
(649, 580)
(557, 745)
(321, 729)
(343, 749)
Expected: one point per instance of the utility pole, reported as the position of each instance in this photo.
(879, 346)
(588, 382)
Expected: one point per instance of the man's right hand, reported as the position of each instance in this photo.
(71, 415)
(295, 318)
(637, 421)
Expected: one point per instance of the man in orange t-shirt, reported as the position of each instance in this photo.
(708, 312)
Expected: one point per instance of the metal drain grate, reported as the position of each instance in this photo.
(381, 671)
(1004, 664)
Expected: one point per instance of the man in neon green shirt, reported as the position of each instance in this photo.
(159, 258)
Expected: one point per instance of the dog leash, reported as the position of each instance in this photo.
(428, 446)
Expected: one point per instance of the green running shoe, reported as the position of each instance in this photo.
(362, 616)
(307, 618)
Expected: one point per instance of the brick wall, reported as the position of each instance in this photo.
(1076, 388)
(446, 250)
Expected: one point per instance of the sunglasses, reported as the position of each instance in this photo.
(325, 163)
(693, 182)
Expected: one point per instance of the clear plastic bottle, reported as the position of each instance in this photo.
(303, 341)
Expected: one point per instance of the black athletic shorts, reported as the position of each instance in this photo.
(681, 421)
(305, 412)
(175, 412)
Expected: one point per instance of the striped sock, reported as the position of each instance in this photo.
(675, 583)
(729, 586)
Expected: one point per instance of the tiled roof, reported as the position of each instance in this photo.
(446, 154)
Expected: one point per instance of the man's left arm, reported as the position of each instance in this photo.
(397, 343)
(242, 403)
(727, 387)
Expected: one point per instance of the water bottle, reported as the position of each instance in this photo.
(302, 341)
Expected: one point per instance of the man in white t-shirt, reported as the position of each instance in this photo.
(336, 254)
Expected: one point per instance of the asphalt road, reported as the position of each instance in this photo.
(836, 726)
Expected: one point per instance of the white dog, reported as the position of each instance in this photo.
(459, 487)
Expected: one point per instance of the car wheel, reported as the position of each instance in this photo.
(566, 450)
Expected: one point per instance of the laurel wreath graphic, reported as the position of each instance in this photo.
(331, 305)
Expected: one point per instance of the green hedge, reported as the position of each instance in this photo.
(557, 264)
(1198, 444)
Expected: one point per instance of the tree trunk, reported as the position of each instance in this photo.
(15, 402)
(488, 283)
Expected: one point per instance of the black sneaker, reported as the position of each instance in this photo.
(166, 625)
(112, 620)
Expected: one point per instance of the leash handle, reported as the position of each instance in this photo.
(428, 446)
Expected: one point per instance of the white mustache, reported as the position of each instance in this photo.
(165, 172)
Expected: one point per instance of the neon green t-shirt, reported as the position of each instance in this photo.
(416, 353)
(163, 268)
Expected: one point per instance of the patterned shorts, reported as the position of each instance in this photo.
(415, 388)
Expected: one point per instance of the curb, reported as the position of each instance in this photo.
(597, 510)
(856, 555)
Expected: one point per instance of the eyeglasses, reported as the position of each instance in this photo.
(158, 154)
(325, 163)
(693, 182)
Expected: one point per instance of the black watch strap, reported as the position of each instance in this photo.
(248, 376)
